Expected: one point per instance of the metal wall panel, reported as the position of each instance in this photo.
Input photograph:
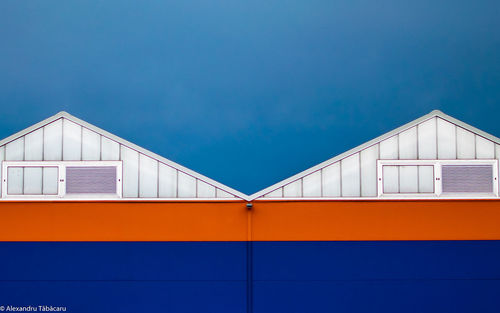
(130, 177)
(408, 144)
(427, 139)
(293, 189)
(33, 146)
(425, 178)
(32, 180)
(222, 194)
(331, 180)
(15, 177)
(52, 141)
(485, 149)
(72, 141)
(91, 145)
(390, 181)
(186, 186)
(369, 158)
(350, 176)
(278, 193)
(466, 146)
(14, 150)
(205, 190)
(110, 150)
(408, 179)
(311, 185)
(148, 177)
(389, 148)
(446, 134)
(50, 180)
(167, 181)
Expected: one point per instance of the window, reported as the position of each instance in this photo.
(67, 179)
(437, 177)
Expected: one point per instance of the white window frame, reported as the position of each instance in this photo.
(437, 164)
(61, 165)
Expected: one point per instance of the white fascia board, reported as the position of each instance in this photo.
(124, 142)
(434, 113)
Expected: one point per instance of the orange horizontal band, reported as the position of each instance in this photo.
(377, 220)
(267, 221)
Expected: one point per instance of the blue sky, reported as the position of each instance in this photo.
(249, 92)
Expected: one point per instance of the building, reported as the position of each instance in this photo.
(409, 221)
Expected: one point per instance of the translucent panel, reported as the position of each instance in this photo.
(167, 181)
(14, 150)
(91, 179)
(497, 151)
(467, 178)
(222, 194)
(15, 180)
(408, 179)
(32, 180)
(110, 150)
(33, 146)
(278, 193)
(446, 140)
(350, 176)
(91, 145)
(389, 148)
(2, 156)
(148, 177)
(331, 180)
(293, 189)
(427, 139)
(408, 144)
(72, 141)
(50, 180)
(425, 178)
(311, 185)
(187, 185)
(130, 181)
(485, 149)
(466, 148)
(390, 179)
(52, 141)
(369, 158)
(205, 190)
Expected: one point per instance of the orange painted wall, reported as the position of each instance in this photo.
(376, 220)
(267, 221)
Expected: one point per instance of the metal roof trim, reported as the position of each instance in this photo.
(432, 114)
(130, 145)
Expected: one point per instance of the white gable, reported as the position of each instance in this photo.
(145, 175)
(435, 136)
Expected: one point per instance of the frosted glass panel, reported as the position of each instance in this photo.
(408, 179)
(91, 145)
(408, 144)
(15, 180)
(446, 140)
(34, 146)
(389, 148)
(187, 186)
(130, 182)
(32, 180)
(466, 148)
(350, 176)
(205, 190)
(293, 189)
(369, 158)
(427, 139)
(148, 177)
(14, 150)
(390, 178)
(331, 180)
(425, 178)
(110, 150)
(311, 185)
(72, 141)
(485, 149)
(50, 180)
(167, 181)
(278, 193)
(52, 141)
(222, 194)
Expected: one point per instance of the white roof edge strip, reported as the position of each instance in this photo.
(124, 142)
(434, 113)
